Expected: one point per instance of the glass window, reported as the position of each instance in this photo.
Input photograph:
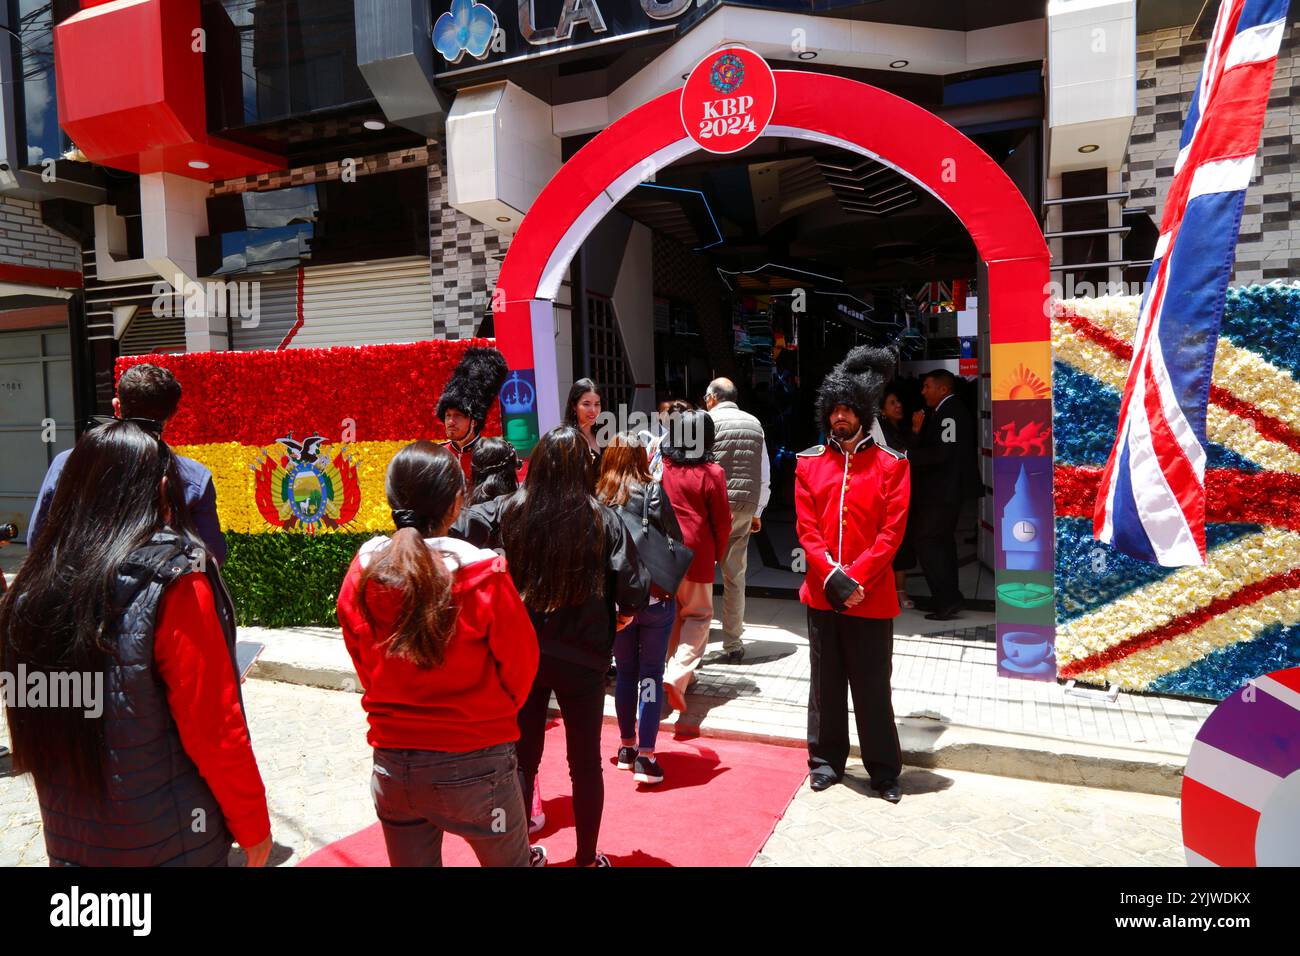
(33, 23)
(273, 59)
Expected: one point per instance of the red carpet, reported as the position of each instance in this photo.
(717, 806)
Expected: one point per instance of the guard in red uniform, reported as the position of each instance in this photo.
(465, 402)
(851, 498)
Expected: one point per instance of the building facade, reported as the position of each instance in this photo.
(348, 172)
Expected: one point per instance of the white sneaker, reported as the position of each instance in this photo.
(537, 856)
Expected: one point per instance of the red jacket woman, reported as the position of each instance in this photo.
(447, 655)
(117, 593)
(697, 489)
(472, 700)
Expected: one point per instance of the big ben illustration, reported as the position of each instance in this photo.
(1025, 531)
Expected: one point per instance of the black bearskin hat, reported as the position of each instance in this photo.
(857, 382)
(474, 384)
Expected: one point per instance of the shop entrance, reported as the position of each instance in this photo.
(858, 119)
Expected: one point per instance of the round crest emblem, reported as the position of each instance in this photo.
(727, 73)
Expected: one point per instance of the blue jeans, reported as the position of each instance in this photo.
(420, 794)
(639, 653)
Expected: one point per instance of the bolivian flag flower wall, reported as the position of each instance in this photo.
(298, 442)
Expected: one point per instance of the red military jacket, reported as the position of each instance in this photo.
(851, 511)
(466, 456)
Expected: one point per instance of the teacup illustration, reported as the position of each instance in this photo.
(1025, 649)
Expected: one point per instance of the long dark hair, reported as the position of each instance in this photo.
(552, 530)
(493, 468)
(60, 614)
(624, 470)
(580, 388)
(422, 484)
(690, 438)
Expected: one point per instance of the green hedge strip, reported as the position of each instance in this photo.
(288, 579)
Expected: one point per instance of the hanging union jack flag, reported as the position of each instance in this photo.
(1151, 500)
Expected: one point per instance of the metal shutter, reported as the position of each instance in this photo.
(369, 303)
(277, 311)
(149, 333)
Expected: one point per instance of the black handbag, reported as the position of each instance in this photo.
(666, 560)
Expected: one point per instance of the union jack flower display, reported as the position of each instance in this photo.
(1151, 500)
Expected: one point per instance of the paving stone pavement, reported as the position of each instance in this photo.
(314, 759)
(312, 751)
(954, 818)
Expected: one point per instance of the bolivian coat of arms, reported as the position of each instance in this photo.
(307, 485)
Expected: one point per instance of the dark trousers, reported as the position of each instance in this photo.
(421, 794)
(851, 655)
(580, 692)
(935, 540)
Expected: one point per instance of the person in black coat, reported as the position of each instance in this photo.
(896, 426)
(494, 466)
(945, 471)
(577, 570)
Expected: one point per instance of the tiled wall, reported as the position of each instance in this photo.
(26, 241)
(465, 256)
(322, 172)
(1168, 69)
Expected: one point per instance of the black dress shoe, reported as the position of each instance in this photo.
(947, 614)
(822, 781)
(890, 792)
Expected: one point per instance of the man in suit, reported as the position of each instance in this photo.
(945, 471)
(150, 393)
(851, 502)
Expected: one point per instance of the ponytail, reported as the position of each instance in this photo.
(427, 617)
(422, 484)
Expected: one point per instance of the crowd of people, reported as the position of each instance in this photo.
(505, 582)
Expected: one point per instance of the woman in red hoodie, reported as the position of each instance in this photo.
(447, 654)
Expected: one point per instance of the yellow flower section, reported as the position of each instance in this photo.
(232, 466)
(1230, 568)
(1139, 670)
(1221, 426)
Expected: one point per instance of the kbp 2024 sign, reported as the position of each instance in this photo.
(728, 100)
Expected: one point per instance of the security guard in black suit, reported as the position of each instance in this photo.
(945, 471)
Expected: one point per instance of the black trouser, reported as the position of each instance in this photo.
(580, 692)
(936, 548)
(851, 655)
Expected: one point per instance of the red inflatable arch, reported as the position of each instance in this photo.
(900, 134)
(811, 106)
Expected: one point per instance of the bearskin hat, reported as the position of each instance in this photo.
(474, 384)
(857, 382)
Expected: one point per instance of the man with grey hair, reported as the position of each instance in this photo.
(741, 449)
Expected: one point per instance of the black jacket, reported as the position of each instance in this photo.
(480, 524)
(901, 438)
(945, 472)
(155, 793)
(584, 634)
(661, 515)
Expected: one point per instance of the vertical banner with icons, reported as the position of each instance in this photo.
(1024, 550)
(519, 411)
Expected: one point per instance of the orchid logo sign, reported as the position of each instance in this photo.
(466, 28)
